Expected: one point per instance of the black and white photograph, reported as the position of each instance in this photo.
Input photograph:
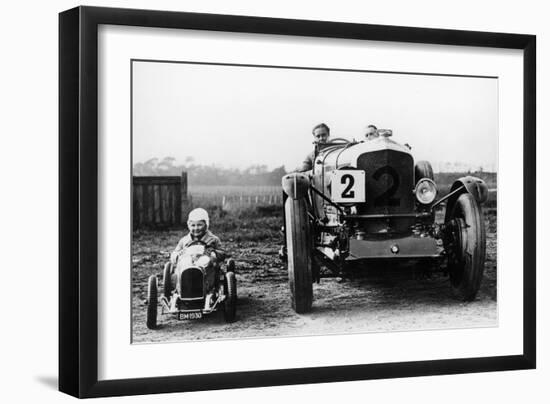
(277, 201)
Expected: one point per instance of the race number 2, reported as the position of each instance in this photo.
(348, 186)
(349, 181)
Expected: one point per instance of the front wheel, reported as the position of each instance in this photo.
(231, 265)
(167, 281)
(466, 247)
(299, 245)
(423, 169)
(152, 302)
(230, 303)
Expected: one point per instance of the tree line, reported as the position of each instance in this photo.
(257, 174)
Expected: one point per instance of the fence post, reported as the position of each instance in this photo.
(135, 208)
(184, 186)
(160, 201)
(184, 197)
(177, 209)
(146, 200)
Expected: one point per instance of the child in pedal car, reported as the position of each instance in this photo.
(196, 246)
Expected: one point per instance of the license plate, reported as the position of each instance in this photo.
(190, 316)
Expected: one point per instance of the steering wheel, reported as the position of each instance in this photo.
(338, 138)
(191, 244)
(196, 242)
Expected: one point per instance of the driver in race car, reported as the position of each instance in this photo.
(198, 224)
(321, 134)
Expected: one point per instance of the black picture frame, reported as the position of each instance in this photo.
(78, 200)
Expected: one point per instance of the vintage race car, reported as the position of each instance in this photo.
(367, 204)
(197, 285)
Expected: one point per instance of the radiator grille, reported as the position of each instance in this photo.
(191, 283)
(389, 182)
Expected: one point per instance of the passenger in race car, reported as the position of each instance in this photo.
(371, 132)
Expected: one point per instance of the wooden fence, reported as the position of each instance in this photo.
(236, 202)
(159, 201)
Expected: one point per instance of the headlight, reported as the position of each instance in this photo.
(425, 191)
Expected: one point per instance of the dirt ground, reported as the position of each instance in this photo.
(381, 303)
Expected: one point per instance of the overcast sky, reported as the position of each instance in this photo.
(236, 116)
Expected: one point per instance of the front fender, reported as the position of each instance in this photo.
(473, 185)
(296, 185)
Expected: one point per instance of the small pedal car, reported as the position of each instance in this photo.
(196, 285)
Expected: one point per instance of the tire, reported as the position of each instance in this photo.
(167, 286)
(152, 302)
(467, 251)
(423, 169)
(230, 303)
(299, 245)
(231, 265)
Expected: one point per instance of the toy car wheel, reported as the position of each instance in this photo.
(230, 303)
(167, 281)
(152, 302)
(466, 250)
(423, 169)
(231, 265)
(299, 245)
